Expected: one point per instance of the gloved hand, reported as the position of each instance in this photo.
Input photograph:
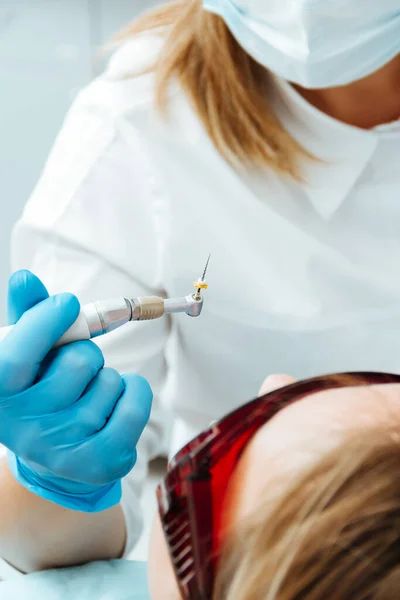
(71, 425)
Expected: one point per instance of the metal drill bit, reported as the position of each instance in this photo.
(204, 273)
(201, 282)
(206, 267)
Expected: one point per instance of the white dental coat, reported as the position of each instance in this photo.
(304, 278)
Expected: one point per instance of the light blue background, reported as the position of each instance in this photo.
(48, 50)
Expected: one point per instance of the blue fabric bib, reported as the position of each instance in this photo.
(110, 580)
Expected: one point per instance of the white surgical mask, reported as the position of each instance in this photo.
(315, 43)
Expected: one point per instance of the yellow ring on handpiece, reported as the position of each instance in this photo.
(200, 285)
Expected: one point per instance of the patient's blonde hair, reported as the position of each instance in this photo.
(227, 88)
(334, 535)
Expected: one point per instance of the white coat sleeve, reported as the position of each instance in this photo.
(94, 226)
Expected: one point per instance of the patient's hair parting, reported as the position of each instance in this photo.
(334, 535)
(227, 88)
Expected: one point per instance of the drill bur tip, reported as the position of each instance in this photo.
(206, 267)
(201, 283)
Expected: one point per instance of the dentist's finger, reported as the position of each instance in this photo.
(31, 339)
(25, 290)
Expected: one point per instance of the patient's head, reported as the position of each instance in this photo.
(313, 506)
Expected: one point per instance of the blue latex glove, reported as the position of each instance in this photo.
(71, 425)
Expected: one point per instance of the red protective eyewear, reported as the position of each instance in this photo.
(191, 496)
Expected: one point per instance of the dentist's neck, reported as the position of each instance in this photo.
(366, 103)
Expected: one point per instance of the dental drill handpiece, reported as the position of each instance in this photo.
(104, 316)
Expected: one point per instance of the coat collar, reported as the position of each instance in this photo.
(343, 151)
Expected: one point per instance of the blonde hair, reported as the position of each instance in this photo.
(334, 534)
(227, 88)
